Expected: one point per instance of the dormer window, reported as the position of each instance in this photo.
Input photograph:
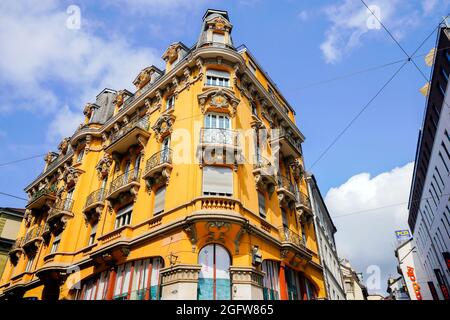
(80, 155)
(217, 78)
(252, 67)
(218, 37)
(170, 103)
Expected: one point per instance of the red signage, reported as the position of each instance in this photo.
(416, 287)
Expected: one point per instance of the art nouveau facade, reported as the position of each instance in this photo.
(191, 187)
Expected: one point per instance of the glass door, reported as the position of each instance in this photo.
(165, 150)
(214, 278)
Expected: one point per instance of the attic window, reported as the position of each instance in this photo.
(217, 78)
(218, 37)
(252, 67)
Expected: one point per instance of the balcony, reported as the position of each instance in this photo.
(43, 197)
(158, 168)
(128, 135)
(94, 204)
(16, 250)
(286, 192)
(265, 175)
(303, 206)
(126, 182)
(60, 212)
(290, 237)
(286, 143)
(219, 146)
(32, 238)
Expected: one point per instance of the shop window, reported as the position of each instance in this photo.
(214, 278)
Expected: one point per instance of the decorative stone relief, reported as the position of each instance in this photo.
(164, 125)
(217, 230)
(297, 169)
(103, 166)
(219, 98)
(63, 146)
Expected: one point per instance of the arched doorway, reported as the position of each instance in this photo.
(214, 278)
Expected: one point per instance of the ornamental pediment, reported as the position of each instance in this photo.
(164, 125)
(121, 96)
(218, 99)
(173, 51)
(219, 23)
(145, 76)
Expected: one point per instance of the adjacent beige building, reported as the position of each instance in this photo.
(10, 219)
(353, 285)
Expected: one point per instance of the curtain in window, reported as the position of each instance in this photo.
(214, 278)
(271, 283)
(217, 181)
(262, 204)
(160, 197)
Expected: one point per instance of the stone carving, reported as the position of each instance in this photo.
(219, 99)
(63, 146)
(217, 230)
(164, 125)
(297, 169)
(103, 166)
(70, 176)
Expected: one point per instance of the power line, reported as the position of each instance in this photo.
(13, 196)
(357, 116)
(384, 207)
(20, 160)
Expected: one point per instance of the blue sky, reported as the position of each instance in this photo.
(48, 73)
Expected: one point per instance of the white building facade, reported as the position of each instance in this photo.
(325, 230)
(429, 204)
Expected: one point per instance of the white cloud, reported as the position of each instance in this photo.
(64, 123)
(428, 6)
(303, 15)
(351, 20)
(41, 53)
(159, 7)
(367, 237)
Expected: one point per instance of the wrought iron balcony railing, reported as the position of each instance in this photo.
(303, 200)
(217, 136)
(141, 123)
(285, 183)
(123, 180)
(157, 159)
(95, 197)
(63, 206)
(44, 191)
(32, 235)
(287, 235)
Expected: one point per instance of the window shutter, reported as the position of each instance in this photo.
(217, 180)
(262, 204)
(124, 210)
(217, 73)
(160, 197)
(218, 37)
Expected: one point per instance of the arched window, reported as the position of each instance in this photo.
(214, 278)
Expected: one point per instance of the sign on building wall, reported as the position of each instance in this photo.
(402, 235)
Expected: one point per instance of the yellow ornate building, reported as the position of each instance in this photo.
(192, 187)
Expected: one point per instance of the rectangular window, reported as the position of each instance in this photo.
(160, 197)
(30, 263)
(217, 78)
(80, 155)
(170, 102)
(252, 67)
(123, 217)
(122, 282)
(217, 181)
(262, 204)
(218, 37)
(93, 233)
(55, 244)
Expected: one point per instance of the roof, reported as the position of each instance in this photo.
(321, 199)
(14, 211)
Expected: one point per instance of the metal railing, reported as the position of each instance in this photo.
(262, 163)
(285, 183)
(283, 134)
(303, 199)
(34, 233)
(124, 179)
(96, 196)
(64, 205)
(133, 123)
(219, 136)
(287, 235)
(17, 244)
(43, 191)
(160, 157)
